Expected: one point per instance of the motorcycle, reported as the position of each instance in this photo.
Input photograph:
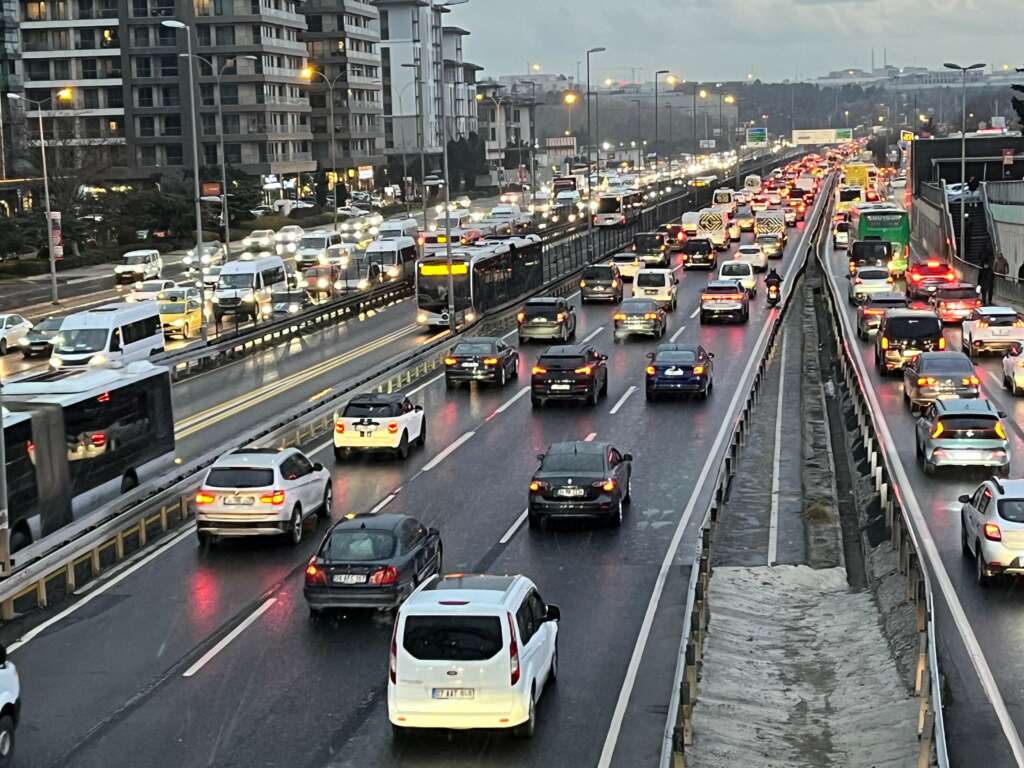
(774, 295)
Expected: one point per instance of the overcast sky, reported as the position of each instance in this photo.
(726, 39)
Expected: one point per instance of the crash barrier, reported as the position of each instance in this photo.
(82, 550)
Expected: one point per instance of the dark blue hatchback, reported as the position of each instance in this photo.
(679, 369)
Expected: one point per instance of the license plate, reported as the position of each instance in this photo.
(674, 372)
(652, 292)
(453, 693)
(999, 331)
(560, 387)
(349, 578)
(911, 352)
(237, 500)
(571, 491)
(471, 365)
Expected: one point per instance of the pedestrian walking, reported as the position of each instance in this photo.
(1001, 267)
(986, 281)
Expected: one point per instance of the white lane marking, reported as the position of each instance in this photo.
(572, 296)
(590, 438)
(676, 269)
(322, 447)
(622, 400)
(447, 452)
(510, 333)
(226, 640)
(695, 312)
(507, 537)
(678, 333)
(511, 401)
(39, 629)
(424, 385)
(383, 503)
(592, 334)
(773, 518)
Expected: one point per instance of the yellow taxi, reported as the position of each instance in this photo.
(181, 313)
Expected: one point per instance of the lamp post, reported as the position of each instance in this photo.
(728, 99)
(423, 136)
(533, 139)
(569, 98)
(657, 74)
(405, 168)
(64, 94)
(223, 156)
(639, 139)
(963, 146)
(590, 139)
(309, 73)
(498, 117)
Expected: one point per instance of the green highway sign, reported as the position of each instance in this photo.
(756, 136)
(844, 134)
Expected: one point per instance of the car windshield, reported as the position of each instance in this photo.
(359, 546)
(573, 462)
(956, 294)
(372, 410)
(849, 195)
(767, 240)
(624, 258)
(676, 357)
(50, 324)
(81, 340)
(648, 279)
(239, 477)
(135, 258)
(648, 242)
(609, 205)
(452, 638)
(1011, 509)
(242, 280)
(151, 285)
(888, 303)
(598, 273)
(947, 364)
(638, 306)
(735, 270)
(474, 348)
(913, 327)
(871, 251)
(697, 245)
(313, 242)
(969, 427)
(172, 307)
(1002, 319)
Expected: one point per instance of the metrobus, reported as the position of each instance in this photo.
(618, 208)
(76, 439)
(886, 222)
(494, 272)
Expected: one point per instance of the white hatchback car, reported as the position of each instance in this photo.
(992, 329)
(147, 290)
(867, 281)
(13, 329)
(472, 651)
(261, 492)
(375, 422)
(753, 253)
(740, 272)
(658, 284)
(287, 239)
(259, 239)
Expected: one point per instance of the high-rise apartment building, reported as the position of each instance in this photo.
(343, 45)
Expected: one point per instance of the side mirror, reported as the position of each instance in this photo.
(540, 457)
(317, 466)
(1002, 414)
(711, 355)
(433, 532)
(552, 613)
(627, 457)
(603, 358)
(418, 409)
(650, 355)
(964, 498)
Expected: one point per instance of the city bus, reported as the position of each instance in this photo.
(494, 272)
(618, 208)
(848, 197)
(886, 222)
(75, 439)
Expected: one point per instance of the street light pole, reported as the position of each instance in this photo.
(961, 249)
(421, 96)
(533, 139)
(657, 74)
(590, 139)
(309, 73)
(639, 140)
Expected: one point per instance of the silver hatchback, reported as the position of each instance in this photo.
(992, 528)
(962, 433)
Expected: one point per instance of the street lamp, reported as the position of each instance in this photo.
(703, 94)
(590, 198)
(423, 137)
(223, 156)
(64, 94)
(533, 139)
(308, 73)
(728, 99)
(502, 134)
(963, 146)
(639, 142)
(569, 98)
(657, 73)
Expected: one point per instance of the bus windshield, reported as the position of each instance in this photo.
(81, 340)
(849, 195)
(241, 280)
(609, 205)
(432, 291)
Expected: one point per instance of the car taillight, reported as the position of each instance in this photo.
(925, 381)
(619, 316)
(490, 361)
(949, 276)
(513, 651)
(393, 656)
(605, 485)
(393, 427)
(386, 575)
(450, 361)
(520, 316)
(942, 343)
(273, 497)
(885, 343)
(315, 576)
(1000, 430)
(536, 370)
(874, 311)
(971, 380)
(939, 429)
(202, 497)
(586, 370)
(698, 370)
(651, 370)
(992, 532)
(98, 439)
(339, 427)
(915, 277)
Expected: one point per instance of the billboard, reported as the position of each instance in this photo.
(757, 136)
(822, 136)
(707, 143)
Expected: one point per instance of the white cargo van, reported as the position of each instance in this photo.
(244, 287)
(396, 256)
(691, 221)
(657, 284)
(314, 248)
(713, 225)
(112, 333)
(144, 264)
(393, 228)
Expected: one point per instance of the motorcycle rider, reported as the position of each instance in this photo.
(773, 278)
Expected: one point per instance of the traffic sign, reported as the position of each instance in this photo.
(707, 143)
(757, 136)
(844, 134)
(907, 136)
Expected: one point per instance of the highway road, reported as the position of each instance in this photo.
(980, 630)
(120, 671)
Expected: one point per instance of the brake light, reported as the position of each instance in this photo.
(698, 370)
(950, 276)
(513, 651)
(538, 485)
(393, 656)
(942, 343)
(205, 498)
(520, 316)
(586, 370)
(885, 343)
(393, 427)
(536, 370)
(972, 380)
(925, 381)
(992, 532)
(273, 497)
(874, 311)
(651, 370)
(386, 575)
(605, 485)
(939, 429)
(315, 577)
(915, 277)
(1000, 430)
(339, 427)
(450, 361)
(933, 263)
(98, 439)
(619, 316)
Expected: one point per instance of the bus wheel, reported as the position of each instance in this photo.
(20, 538)
(129, 482)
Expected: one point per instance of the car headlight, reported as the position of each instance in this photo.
(179, 322)
(290, 247)
(338, 285)
(293, 308)
(99, 359)
(421, 318)
(130, 299)
(393, 272)
(363, 284)
(248, 297)
(23, 341)
(188, 259)
(215, 299)
(322, 282)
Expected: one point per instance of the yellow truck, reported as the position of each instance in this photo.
(856, 175)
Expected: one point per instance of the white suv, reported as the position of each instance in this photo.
(261, 492)
(471, 651)
(658, 284)
(992, 529)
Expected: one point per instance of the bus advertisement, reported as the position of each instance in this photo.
(888, 224)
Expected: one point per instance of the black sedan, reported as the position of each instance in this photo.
(483, 358)
(580, 479)
(39, 340)
(577, 372)
(640, 316)
(680, 369)
(371, 561)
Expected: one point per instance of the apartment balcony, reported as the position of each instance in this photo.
(362, 57)
(292, 19)
(40, 51)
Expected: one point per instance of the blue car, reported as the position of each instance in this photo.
(680, 369)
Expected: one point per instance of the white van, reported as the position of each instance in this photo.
(114, 332)
(724, 198)
(139, 265)
(396, 256)
(714, 224)
(314, 248)
(10, 706)
(245, 287)
(658, 284)
(691, 221)
(472, 651)
(393, 228)
(753, 184)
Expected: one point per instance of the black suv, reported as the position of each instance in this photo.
(905, 333)
(601, 282)
(547, 318)
(698, 252)
(575, 372)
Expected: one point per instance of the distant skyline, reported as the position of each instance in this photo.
(727, 39)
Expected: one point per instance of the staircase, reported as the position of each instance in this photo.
(979, 240)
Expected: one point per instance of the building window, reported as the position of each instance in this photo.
(109, 39)
(205, 68)
(203, 7)
(91, 98)
(203, 33)
(114, 126)
(62, 69)
(225, 35)
(115, 98)
(144, 96)
(143, 67)
(169, 66)
(172, 125)
(92, 127)
(86, 39)
(147, 156)
(108, 9)
(89, 69)
(208, 124)
(218, 7)
(315, 22)
(174, 154)
(166, 37)
(229, 94)
(140, 8)
(206, 97)
(169, 96)
(85, 9)
(233, 153)
(35, 11)
(231, 125)
(140, 37)
(37, 69)
(209, 154)
(147, 126)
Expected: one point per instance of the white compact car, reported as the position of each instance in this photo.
(754, 254)
(287, 239)
(261, 492)
(148, 290)
(867, 281)
(13, 330)
(741, 272)
(992, 329)
(627, 263)
(379, 422)
(658, 284)
(138, 265)
(259, 240)
(472, 651)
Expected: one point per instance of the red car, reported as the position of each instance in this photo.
(954, 303)
(926, 277)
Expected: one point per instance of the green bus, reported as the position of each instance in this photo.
(888, 223)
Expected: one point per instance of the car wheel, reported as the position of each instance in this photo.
(594, 396)
(965, 548)
(295, 526)
(340, 454)
(422, 439)
(981, 574)
(525, 730)
(649, 395)
(536, 402)
(703, 319)
(502, 377)
(522, 339)
(315, 614)
(628, 498)
(705, 392)
(927, 466)
(1013, 387)
(397, 733)
(439, 562)
(616, 518)
(6, 741)
(3, 347)
(860, 334)
(536, 522)
(327, 504)
(515, 368)
(448, 383)
(604, 387)
(205, 540)
(403, 446)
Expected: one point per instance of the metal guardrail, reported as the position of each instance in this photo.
(685, 687)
